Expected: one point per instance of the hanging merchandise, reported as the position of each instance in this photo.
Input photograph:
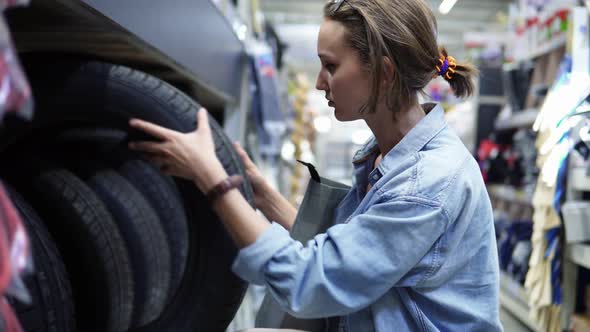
(297, 137)
(266, 106)
(15, 260)
(15, 92)
(514, 247)
(557, 118)
(302, 137)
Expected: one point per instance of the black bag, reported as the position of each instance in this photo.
(315, 215)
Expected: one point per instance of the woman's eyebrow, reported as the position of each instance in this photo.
(324, 55)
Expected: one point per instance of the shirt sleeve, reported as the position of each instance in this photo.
(348, 267)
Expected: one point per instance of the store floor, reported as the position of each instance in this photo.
(511, 323)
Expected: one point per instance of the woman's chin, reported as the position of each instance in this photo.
(342, 117)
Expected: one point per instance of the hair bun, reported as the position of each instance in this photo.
(459, 76)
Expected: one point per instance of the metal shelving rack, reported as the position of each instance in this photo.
(512, 295)
(513, 298)
(558, 42)
(578, 254)
(575, 254)
(521, 119)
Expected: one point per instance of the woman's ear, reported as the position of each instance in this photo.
(388, 70)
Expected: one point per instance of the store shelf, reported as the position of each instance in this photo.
(513, 299)
(579, 254)
(546, 48)
(522, 119)
(509, 193)
(579, 180)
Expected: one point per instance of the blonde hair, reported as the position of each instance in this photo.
(405, 32)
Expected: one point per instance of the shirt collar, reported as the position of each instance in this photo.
(414, 140)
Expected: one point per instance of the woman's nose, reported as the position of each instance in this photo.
(321, 83)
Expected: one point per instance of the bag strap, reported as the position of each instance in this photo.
(312, 171)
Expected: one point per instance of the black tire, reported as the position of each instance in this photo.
(76, 94)
(92, 248)
(162, 194)
(145, 239)
(107, 145)
(51, 307)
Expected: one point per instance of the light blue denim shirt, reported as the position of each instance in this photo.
(417, 252)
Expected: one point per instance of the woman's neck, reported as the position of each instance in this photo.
(390, 132)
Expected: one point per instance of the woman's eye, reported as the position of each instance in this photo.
(330, 67)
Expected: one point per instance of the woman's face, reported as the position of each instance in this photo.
(342, 76)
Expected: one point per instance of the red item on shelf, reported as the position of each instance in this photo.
(15, 92)
(11, 3)
(15, 97)
(532, 22)
(486, 148)
(14, 260)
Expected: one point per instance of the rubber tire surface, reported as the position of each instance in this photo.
(162, 194)
(92, 247)
(52, 306)
(158, 189)
(74, 94)
(146, 243)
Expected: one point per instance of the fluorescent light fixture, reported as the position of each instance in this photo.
(446, 6)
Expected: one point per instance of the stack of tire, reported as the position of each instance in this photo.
(117, 245)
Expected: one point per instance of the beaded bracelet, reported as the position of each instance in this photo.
(223, 187)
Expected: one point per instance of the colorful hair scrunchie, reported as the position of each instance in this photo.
(446, 67)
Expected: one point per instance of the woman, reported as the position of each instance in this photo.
(413, 245)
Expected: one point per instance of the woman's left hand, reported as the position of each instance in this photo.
(190, 156)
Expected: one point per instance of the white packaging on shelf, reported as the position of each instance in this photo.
(580, 42)
(576, 218)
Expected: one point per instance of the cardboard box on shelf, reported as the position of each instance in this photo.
(555, 58)
(579, 323)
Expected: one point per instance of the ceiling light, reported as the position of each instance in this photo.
(446, 6)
